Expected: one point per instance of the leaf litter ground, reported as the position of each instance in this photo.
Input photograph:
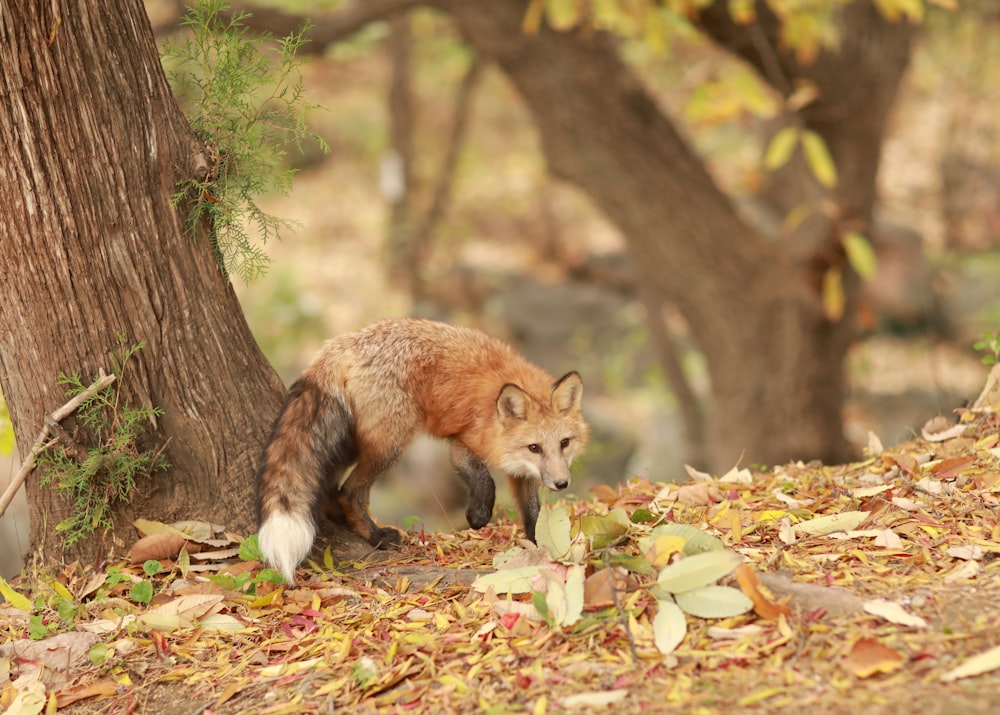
(871, 587)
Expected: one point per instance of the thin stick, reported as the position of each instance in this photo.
(40, 442)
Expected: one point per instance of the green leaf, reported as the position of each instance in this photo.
(780, 148)
(635, 564)
(552, 530)
(151, 567)
(604, 530)
(697, 571)
(643, 516)
(714, 602)
(818, 157)
(860, 254)
(541, 603)
(142, 592)
(250, 549)
(98, 653)
(697, 541)
(14, 598)
(669, 627)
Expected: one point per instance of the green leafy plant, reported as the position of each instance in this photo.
(246, 105)
(990, 344)
(96, 478)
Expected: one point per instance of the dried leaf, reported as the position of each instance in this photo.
(843, 521)
(894, 613)
(669, 627)
(595, 699)
(984, 662)
(158, 546)
(762, 605)
(868, 657)
(514, 581)
(14, 598)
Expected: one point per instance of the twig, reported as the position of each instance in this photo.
(618, 605)
(40, 442)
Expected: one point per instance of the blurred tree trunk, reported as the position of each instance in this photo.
(93, 147)
(753, 302)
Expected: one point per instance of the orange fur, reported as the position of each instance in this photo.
(367, 394)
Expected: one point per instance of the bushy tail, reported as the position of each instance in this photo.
(311, 446)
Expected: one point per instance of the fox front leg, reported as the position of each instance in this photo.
(525, 493)
(482, 490)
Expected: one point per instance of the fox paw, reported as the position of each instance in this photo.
(387, 537)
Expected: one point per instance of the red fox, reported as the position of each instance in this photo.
(365, 397)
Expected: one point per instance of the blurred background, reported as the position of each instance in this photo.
(436, 199)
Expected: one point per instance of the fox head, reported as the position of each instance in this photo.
(541, 434)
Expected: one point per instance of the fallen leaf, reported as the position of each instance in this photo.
(763, 606)
(842, 521)
(939, 429)
(699, 570)
(893, 612)
(595, 699)
(669, 627)
(713, 602)
(869, 657)
(978, 664)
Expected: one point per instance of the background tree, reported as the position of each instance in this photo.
(772, 310)
(94, 147)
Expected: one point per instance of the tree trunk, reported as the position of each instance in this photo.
(753, 303)
(93, 147)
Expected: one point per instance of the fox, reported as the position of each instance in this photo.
(366, 395)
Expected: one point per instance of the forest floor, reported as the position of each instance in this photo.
(870, 587)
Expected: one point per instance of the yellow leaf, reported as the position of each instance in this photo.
(860, 254)
(833, 295)
(562, 14)
(780, 149)
(818, 157)
(742, 11)
(14, 598)
(533, 17)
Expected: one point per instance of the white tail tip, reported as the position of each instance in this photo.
(285, 539)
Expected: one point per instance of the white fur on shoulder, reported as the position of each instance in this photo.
(285, 539)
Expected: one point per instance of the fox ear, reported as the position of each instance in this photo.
(512, 404)
(567, 393)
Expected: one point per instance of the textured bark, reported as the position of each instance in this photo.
(93, 147)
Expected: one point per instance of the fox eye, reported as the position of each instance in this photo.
(535, 448)
(564, 443)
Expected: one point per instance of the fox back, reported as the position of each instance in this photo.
(365, 397)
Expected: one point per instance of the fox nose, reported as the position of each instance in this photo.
(562, 485)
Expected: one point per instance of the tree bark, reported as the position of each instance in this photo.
(93, 147)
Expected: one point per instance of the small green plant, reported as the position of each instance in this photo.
(246, 106)
(990, 344)
(96, 478)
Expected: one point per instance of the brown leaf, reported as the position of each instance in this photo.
(159, 546)
(868, 657)
(762, 605)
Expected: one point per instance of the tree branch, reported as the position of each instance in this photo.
(40, 442)
(328, 28)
